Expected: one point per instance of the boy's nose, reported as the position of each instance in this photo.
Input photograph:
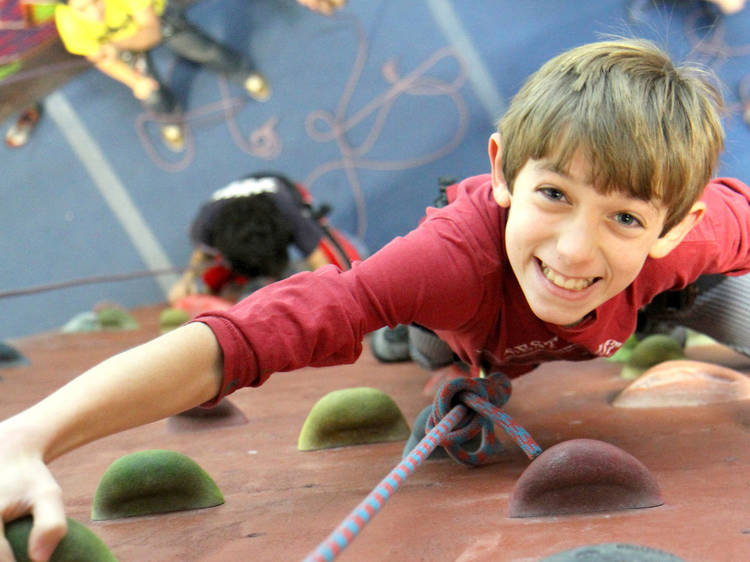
(577, 240)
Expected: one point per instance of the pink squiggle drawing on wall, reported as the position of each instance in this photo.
(323, 126)
(713, 50)
(714, 45)
(262, 142)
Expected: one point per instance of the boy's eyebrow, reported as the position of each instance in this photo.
(549, 166)
(546, 165)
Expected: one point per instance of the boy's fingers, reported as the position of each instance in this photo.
(49, 527)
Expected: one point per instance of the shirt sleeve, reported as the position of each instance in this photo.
(432, 276)
(718, 244)
(727, 224)
(74, 37)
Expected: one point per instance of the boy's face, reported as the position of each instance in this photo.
(570, 247)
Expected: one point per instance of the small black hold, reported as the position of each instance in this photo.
(10, 356)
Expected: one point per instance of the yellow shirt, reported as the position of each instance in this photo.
(84, 37)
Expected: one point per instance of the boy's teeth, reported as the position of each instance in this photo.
(566, 282)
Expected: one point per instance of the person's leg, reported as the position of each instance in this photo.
(413, 342)
(427, 349)
(390, 345)
(162, 103)
(715, 305)
(190, 43)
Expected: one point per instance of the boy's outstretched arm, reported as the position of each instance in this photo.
(170, 374)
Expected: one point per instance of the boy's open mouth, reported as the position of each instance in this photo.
(569, 283)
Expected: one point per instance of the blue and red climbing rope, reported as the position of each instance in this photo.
(449, 425)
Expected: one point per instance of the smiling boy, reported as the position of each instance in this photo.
(594, 205)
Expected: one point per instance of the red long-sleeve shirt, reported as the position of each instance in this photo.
(451, 274)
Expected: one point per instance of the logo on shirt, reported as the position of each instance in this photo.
(537, 351)
(607, 348)
(533, 347)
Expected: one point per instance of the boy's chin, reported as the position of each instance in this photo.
(561, 318)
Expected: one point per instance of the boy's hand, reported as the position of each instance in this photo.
(323, 6)
(27, 487)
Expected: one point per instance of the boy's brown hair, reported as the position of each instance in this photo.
(649, 128)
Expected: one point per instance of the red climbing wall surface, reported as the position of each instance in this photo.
(280, 502)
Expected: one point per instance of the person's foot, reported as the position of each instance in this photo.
(257, 87)
(390, 345)
(19, 133)
(173, 137)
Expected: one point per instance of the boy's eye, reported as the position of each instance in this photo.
(552, 193)
(626, 219)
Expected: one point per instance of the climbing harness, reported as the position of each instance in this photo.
(463, 409)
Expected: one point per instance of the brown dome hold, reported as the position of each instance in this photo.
(582, 476)
(684, 383)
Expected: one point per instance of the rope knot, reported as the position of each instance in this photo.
(496, 390)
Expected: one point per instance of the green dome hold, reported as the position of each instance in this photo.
(623, 354)
(80, 543)
(114, 318)
(86, 321)
(651, 351)
(352, 416)
(153, 481)
(171, 318)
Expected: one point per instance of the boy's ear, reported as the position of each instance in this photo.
(671, 239)
(499, 188)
